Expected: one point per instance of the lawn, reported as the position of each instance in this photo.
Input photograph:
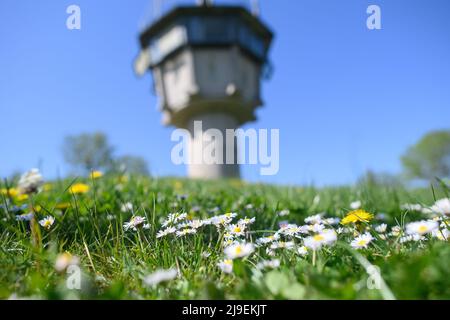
(130, 237)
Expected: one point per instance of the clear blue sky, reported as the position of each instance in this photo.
(345, 99)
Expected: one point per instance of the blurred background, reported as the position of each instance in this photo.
(349, 101)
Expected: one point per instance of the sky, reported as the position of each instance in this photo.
(345, 99)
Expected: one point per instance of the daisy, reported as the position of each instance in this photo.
(421, 227)
(185, 232)
(332, 221)
(126, 207)
(239, 250)
(355, 205)
(282, 245)
(166, 232)
(317, 218)
(411, 207)
(30, 182)
(134, 223)
(303, 251)
(226, 266)
(362, 241)
(47, 222)
(381, 228)
(443, 234)
(173, 218)
(412, 237)
(236, 230)
(357, 216)
(441, 207)
(246, 221)
(395, 231)
(283, 213)
(64, 260)
(269, 239)
(271, 264)
(327, 237)
(159, 276)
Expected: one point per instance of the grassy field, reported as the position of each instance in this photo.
(109, 228)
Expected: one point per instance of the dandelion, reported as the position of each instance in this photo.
(239, 250)
(47, 222)
(160, 276)
(362, 241)
(79, 188)
(326, 237)
(64, 260)
(134, 223)
(11, 192)
(357, 216)
(421, 227)
(226, 266)
(96, 174)
(30, 182)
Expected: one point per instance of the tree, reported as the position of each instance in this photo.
(88, 151)
(430, 157)
(132, 165)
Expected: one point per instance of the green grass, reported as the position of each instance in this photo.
(114, 261)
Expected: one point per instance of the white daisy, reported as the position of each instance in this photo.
(441, 207)
(239, 250)
(185, 232)
(362, 241)
(271, 264)
(317, 218)
(283, 213)
(411, 207)
(303, 251)
(326, 237)
(134, 223)
(226, 266)
(421, 227)
(236, 230)
(160, 276)
(268, 239)
(355, 205)
(47, 222)
(166, 232)
(246, 221)
(443, 234)
(282, 245)
(126, 207)
(381, 228)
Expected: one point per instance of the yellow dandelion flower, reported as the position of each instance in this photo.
(62, 206)
(47, 187)
(357, 216)
(178, 185)
(12, 192)
(96, 174)
(78, 188)
(22, 197)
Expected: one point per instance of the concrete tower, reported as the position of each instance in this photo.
(207, 62)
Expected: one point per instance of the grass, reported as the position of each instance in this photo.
(114, 262)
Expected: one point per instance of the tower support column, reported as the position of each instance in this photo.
(213, 153)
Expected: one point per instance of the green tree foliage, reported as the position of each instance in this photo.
(430, 157)
(132, 165)
(88, 151)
